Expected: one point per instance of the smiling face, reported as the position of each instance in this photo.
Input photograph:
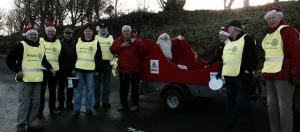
(88, 33)
(273, 20)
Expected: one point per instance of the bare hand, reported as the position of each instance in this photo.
(96, 73)
(20, 74)
(132, 40)
(53, 72)
(125, 44)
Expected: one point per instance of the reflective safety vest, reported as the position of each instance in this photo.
(86, 52)
(232, 57)
(105, 44)
(272, 45)
(32, 63)
(52, 52)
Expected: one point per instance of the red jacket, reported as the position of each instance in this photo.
(128, 61)
(291, 50)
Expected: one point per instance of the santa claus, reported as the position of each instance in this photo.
(165, 43)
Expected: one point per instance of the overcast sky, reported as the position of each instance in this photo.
(153, 5)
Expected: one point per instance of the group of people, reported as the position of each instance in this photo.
(47, 62)
(281, 70)
(42, 62)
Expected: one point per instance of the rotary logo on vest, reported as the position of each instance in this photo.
(274, 42)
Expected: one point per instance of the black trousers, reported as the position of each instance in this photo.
(239, 86)
(125, 79)
(50, 81)
(62, 87)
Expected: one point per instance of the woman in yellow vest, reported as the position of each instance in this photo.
(103, 79)
(281, 69)
(52, 50)
(239, 62)
(27, 60)
(88, 53)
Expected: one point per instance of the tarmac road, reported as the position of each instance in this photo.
(201, 115)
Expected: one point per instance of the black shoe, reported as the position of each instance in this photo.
(21, 129)
(55, 112)
(106, 105)
(75, 113)
(122, 109)
(97, 106)
(89, 112)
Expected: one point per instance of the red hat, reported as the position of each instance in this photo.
(274, 11)
(50, 26)
(29, 29)
(224, 31)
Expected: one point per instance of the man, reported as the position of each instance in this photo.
(281, 69)
(88, 56)
(239, 62)
(27, 60)
(53, 47)
(128, 50)
(134, 32)
(65, 70)
(103, 78)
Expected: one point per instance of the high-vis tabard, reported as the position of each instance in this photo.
(52, 52)
(86, 52)
(32, 63)
(105, 44)
(272, 45)
(232, 57)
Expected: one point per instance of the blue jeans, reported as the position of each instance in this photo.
(87, 80)
(102, 80)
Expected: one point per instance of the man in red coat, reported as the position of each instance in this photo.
(281, 70)
(128, 49)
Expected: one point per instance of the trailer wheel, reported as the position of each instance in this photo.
(173, 99)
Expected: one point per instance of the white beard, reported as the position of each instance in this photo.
(166, 47)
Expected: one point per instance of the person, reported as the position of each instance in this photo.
(281, 69)
(27, 60)
(103, 79)
(66, 66)
(88, 56)
(128, 49)
(134, 32)
(53, 48)
(239, 62)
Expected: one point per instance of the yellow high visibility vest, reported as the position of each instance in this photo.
(105, 44)
(32, 63)
(232, 57)
(86, 52)
(272, 45)
(52, 52)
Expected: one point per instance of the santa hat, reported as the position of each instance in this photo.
(163, 35)
(274, 11)
(50, 26)
(29, 30)
(224, 31)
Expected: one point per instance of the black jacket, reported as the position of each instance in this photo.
(15, 57)
(98, 57)
(249, 57)
(67, 54)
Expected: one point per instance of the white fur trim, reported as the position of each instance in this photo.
(164, 35)
(50, 28)
(224, 33)
(31, 31)
(272, 13)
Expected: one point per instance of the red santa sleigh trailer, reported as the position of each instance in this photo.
(174, 84)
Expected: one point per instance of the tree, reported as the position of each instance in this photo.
(169, 5)
(228, 6)
(276, 1)
(246, 3)
(2, 19)
(142, 6)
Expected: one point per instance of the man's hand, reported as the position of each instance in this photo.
(20, 74)
(125, 44)
(96, 73)
(53, 72)
(132, 40)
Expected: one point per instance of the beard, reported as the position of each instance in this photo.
(166, 47)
